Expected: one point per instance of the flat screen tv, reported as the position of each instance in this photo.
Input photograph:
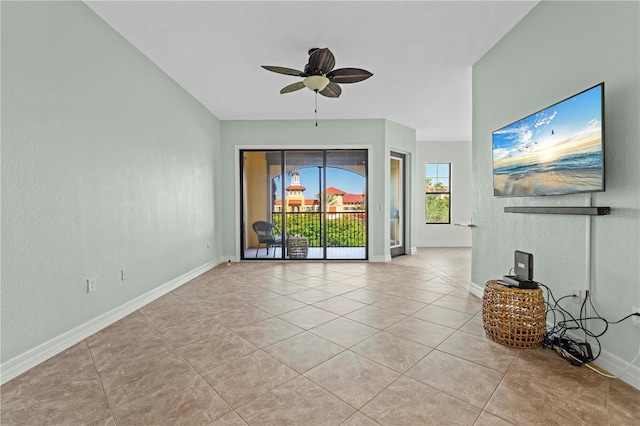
(555, 151)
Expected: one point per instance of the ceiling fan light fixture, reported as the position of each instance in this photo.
(317, 83)
(319, 75)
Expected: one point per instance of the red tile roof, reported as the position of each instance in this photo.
(353, 198)
(295, 188)
(332, 190)
(433, 189)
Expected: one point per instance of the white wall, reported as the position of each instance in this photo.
(107, 164)
(441, 235)
(558, 50)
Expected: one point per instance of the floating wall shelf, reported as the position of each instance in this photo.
(585, 211)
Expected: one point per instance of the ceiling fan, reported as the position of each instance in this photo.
(319, 74)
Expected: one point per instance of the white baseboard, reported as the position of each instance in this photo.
(413, 251)
(476, 290)
(607, 361)
(384, 258)
(444, 243)
(29, 359)
(615, 365)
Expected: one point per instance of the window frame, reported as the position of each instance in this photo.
(447, 192)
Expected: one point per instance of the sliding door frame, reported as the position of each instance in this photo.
(400, 249)
(241, 229)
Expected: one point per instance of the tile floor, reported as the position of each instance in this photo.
(399, 343)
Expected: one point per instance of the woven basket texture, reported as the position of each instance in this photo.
(512, 316)
(298, 248)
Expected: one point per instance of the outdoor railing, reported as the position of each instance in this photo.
(343, 229)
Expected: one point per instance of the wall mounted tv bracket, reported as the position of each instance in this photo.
(585, 211)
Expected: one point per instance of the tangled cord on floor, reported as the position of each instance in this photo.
(560, 336)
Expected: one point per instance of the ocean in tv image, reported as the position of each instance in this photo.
(555, 151)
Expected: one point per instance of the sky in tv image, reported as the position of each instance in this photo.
(555, 151)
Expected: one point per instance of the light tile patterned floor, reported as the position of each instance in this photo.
(305, 343)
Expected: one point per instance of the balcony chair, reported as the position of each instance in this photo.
(269, 235)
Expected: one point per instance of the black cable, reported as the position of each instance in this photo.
(620, 320)
(576, 351)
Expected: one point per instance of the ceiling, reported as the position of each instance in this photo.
(420, 52)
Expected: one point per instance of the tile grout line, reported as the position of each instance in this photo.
(104, 392)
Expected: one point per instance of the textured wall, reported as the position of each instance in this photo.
(106, 164)
(459, 155)
(557, 50)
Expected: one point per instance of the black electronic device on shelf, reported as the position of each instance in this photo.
(523, 269)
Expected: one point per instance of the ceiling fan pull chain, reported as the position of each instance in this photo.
(316, 108)
(319, 75)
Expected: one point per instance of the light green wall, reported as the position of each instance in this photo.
(106, 164)
(304, 134)
(557, 50)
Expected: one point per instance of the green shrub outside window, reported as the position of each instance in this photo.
(438, 193)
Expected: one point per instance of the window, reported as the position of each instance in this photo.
(438, 193)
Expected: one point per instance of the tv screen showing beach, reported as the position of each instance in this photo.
(558, 150)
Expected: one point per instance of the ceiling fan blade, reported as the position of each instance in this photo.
(284, 70)
(292, 87)
(321, 61)
(332, 90)
(348, 75)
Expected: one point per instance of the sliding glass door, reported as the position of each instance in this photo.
(304, 204)
(344, 204)
(301, 211)
(396, 198)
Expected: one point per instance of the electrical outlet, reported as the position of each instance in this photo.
(91, 285)
(123, 274)
(635, 320)
(577, 296)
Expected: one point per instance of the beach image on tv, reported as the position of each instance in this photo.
(556, 151)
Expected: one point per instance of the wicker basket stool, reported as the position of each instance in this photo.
(297, 248)
(512, 316)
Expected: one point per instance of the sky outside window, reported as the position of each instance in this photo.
(345, 180)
